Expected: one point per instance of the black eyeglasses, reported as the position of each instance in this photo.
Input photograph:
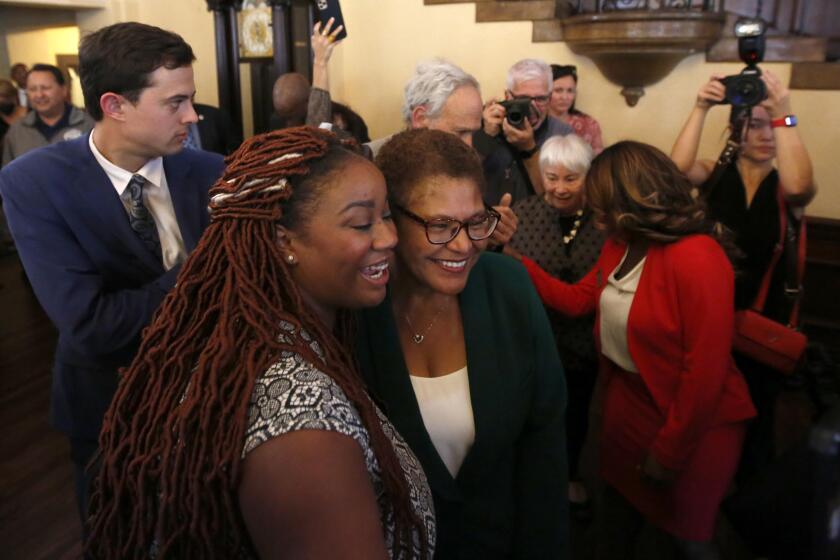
(539, 99)
(440, 231)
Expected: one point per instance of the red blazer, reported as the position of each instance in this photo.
(679, 334)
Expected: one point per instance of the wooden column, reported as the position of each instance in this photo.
(227, 59)
(281, 21)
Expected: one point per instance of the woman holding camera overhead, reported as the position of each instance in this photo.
(562, 106)
(745, 197)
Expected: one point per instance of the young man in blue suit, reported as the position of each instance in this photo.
(103, 223)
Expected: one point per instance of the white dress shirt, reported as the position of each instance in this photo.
(157, 199)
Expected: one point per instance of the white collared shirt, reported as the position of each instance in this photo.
(157, 199)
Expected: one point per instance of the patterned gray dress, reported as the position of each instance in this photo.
(295, 395)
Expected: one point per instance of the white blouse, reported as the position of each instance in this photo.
(448, 415)
(616, 299)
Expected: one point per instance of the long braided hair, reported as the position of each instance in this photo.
(174, 433)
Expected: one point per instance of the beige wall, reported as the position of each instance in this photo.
(370, 69)
(386, 41)
(15, 20)
(41, 45)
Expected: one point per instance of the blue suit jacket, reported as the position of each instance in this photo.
(93, 276)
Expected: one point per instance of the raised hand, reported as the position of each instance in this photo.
(778, 96)
(711, 93)
(508, 223)
(324, 41)
(493, 115)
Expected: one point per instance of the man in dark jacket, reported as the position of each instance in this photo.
(103, 222)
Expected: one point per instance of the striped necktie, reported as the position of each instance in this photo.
(139, 218)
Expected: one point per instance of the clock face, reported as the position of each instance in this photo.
(255, 39)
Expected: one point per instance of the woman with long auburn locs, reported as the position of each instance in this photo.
(172, 442)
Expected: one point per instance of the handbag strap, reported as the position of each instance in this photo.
(726, 157)
(795, 248)
(795, 245)
(764, 287)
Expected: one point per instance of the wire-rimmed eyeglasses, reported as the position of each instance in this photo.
(440, 231)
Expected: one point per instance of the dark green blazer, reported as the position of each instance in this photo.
(509, 499)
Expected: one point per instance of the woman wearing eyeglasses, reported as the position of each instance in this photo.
(562, 106)
(461, 357)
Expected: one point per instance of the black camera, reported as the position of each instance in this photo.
(746, 89)
(517, 110)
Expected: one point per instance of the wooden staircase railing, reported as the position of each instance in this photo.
(804, 32)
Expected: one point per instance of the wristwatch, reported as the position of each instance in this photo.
(526, 154)
(787, 120)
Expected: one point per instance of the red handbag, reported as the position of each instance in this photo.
(764, 340)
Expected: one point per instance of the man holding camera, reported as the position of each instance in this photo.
(514, 131)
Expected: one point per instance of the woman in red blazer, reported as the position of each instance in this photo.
(675, 405)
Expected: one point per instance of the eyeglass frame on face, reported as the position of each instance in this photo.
(538, 100)
(490, 213)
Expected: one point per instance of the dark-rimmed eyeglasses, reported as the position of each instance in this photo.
(440, 231)
(539, 99)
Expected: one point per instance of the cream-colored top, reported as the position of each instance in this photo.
(616, 299)
(448, 415)
(157, 199)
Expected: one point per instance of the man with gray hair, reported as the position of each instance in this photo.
(511, 151)
(440, 96)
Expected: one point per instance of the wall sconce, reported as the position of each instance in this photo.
(637, 48)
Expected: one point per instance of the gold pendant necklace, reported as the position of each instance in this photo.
(419, 337)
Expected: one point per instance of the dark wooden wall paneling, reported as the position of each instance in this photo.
(821, 301)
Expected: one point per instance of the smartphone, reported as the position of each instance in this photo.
(331, 9)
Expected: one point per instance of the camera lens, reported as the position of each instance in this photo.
(515, 117)
(745, 91)
(744, 94)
